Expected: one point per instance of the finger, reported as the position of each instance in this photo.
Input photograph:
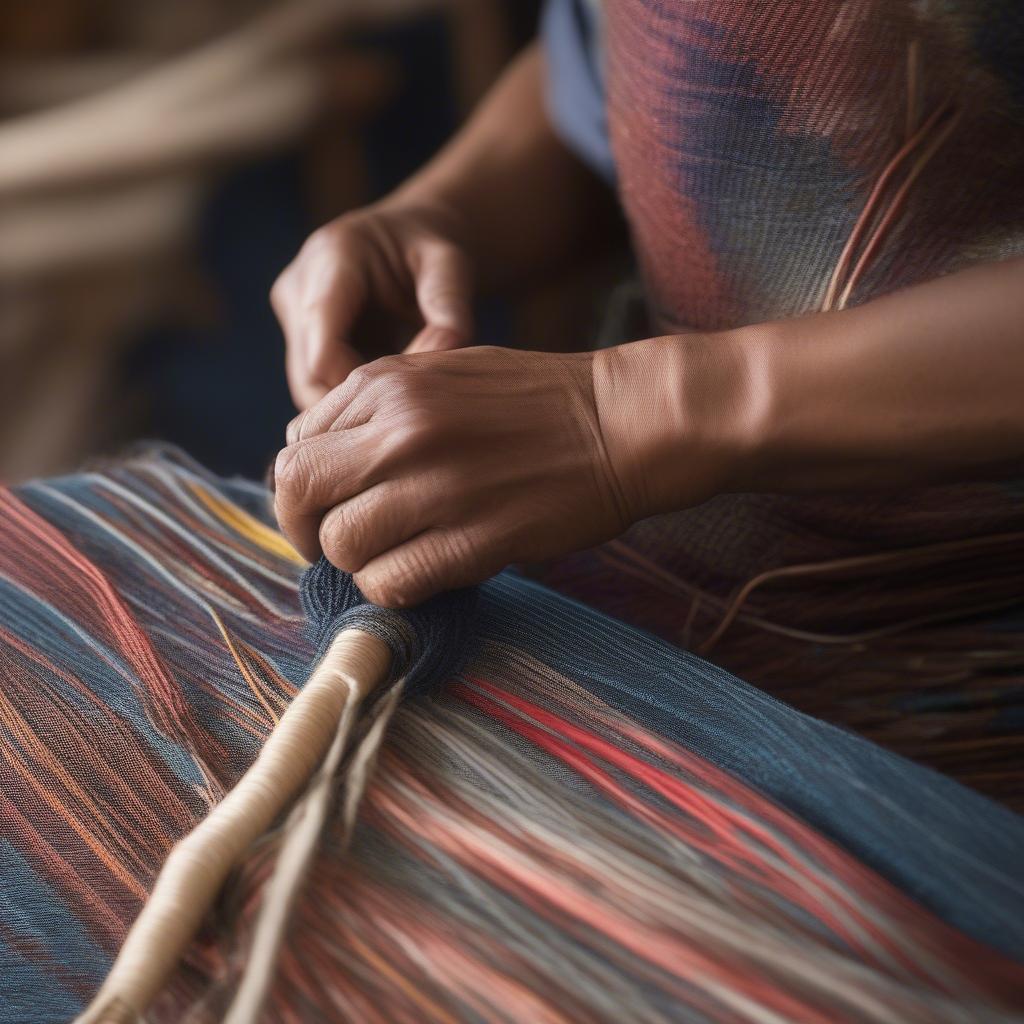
(305, 393)
(292, 432)
(317, 300)
(315, 475)
(282, 299)
(372, 523)
(328, 357)
(430, 563)
(333, 296)
(443, 293)
(349, 405)
(435, 339)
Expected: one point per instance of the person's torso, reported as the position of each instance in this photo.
(776, 157)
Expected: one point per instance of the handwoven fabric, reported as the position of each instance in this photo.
(752, 141)
(584, 824)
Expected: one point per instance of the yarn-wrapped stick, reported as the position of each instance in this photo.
(363, 651)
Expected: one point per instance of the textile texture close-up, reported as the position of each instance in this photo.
(583, 823)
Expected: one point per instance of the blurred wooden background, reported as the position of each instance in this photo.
(119, 119)
(161, 162)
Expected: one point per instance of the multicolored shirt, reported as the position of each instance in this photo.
(776, 157)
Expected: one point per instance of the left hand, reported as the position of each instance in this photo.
(423, 473)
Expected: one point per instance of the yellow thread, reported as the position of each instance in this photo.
(248, 526)
(246, 674)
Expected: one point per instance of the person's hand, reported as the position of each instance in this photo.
(371, 277)
(423, 473)
(427, 472)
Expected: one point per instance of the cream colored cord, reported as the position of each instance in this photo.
(296, 854)
(194, 872)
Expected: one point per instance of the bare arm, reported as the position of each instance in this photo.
(505, 202)
(922, 385)
(523, 202)
(424, 472)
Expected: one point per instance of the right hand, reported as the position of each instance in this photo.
(372, 274)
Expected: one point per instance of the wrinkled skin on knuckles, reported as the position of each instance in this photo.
(423, 473)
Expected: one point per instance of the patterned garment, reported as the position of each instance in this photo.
(750, 137)
(585, 825)
(777, 157)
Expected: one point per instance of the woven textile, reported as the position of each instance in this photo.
(585, 825)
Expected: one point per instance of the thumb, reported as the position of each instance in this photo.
(443, 294)
(331, 305)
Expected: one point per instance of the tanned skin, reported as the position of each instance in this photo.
(437, 467)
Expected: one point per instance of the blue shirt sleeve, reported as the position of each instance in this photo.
(571, 35)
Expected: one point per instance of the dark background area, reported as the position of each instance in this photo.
(174, 339)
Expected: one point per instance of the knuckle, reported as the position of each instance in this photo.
(398, 390)
(294, 471)
(285, 470)
(324, 245)
(360, 378)
(294, 429)
(391, 370)
(407, 379)
(339, 542)
(326, 238)
(392, 382)
(341, 233)
(331, 240)
(408, 434)
(416, 572)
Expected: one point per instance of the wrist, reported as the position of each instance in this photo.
(683, 416)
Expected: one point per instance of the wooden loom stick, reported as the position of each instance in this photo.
(196, 868)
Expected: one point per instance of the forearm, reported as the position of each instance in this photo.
(922, 385)
(521, 202)
(925, 384)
